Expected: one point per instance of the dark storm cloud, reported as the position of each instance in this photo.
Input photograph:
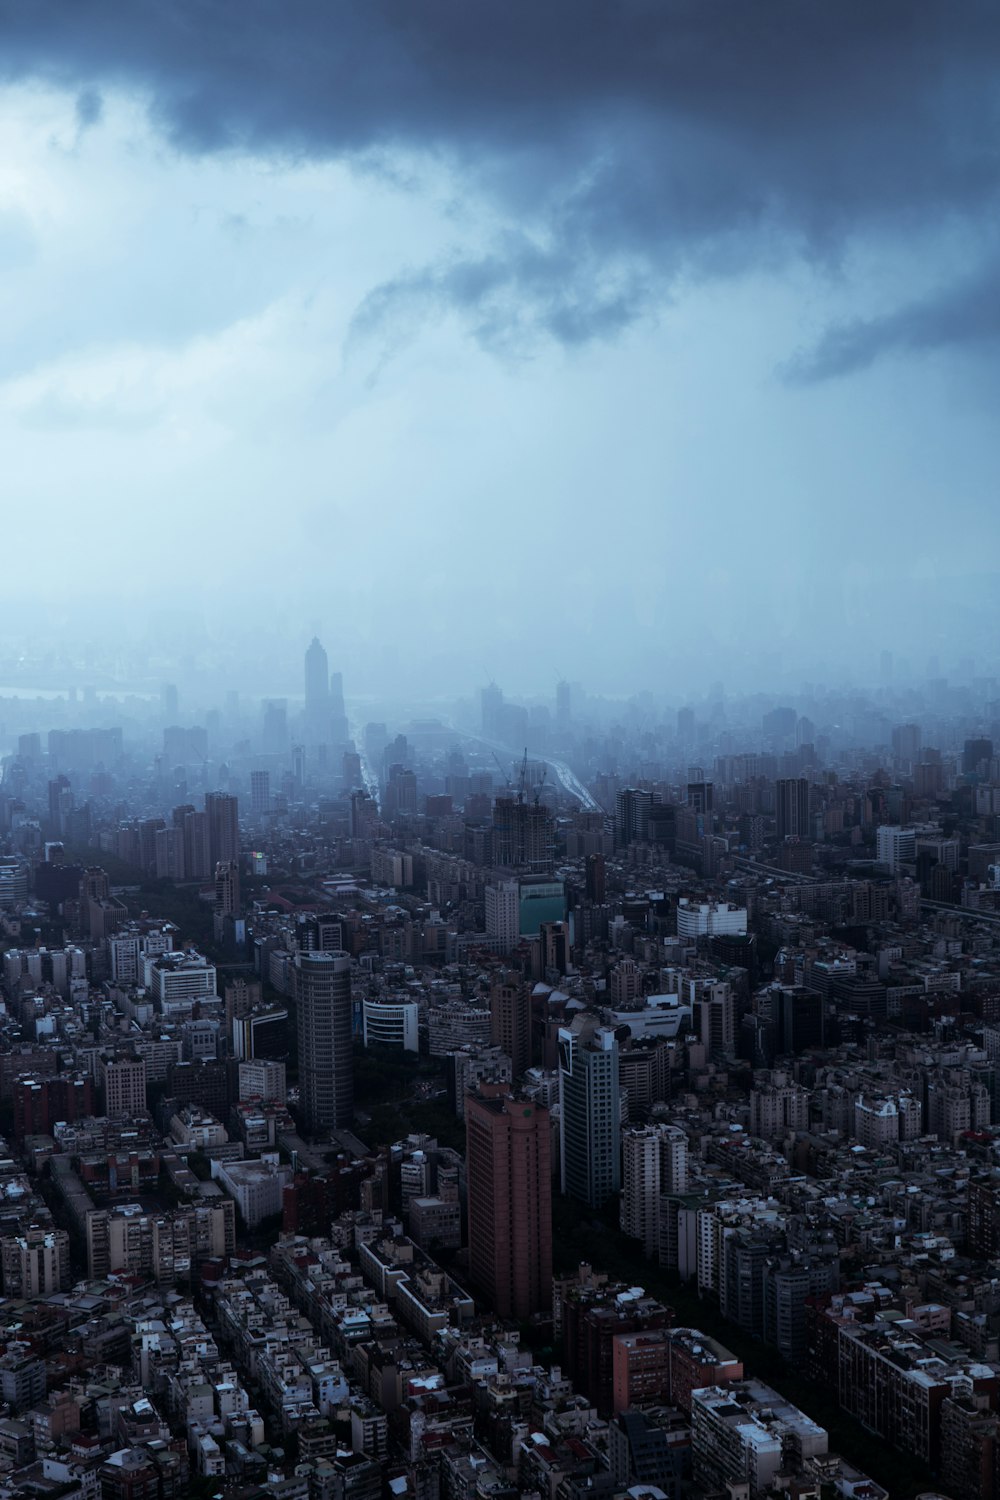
(634, 139)
(968, 314)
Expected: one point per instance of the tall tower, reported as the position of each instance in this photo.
(222, 813)
(791, 806)
(260, 793)
(317, 683)
(510, 1023)
(508, 1175)
(590, 1141)
(322, 987)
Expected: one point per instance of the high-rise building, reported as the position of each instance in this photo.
(634, 805)
(194, 828)
(895, 845)
(596, 878)
(222, 814)
(523, 835)
(260, 793)
(590, 1139)
(227, 889)
(510, 1022)
(339, 729)
(503, 914)
(508, 1173)
(35, 1262)
(274, 725)
(654, 1162)
(169, 857)
(317, 685)
(791, 807)
(401, 792)
(124, 1081)
(322, 989)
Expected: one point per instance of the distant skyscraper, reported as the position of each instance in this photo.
(508, 1176)
(317, 681)
(564, 702)
(222, 813)
(634, 804)
(274, 726)
(260, 793)
(227, 889)
(194, 827)
(339, 730)
(491, 706)
(791, 806)
(322, 987)
(590, 1139)
(401, 793)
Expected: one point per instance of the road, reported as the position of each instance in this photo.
(567, 780)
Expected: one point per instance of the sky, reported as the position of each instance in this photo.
(642, 342)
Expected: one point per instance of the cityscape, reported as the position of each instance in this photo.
(499, 750)
(546, 1097)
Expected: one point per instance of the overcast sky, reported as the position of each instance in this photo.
(636, 341)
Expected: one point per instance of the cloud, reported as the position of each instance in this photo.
(515, 296)
(967, 314)
(89, 108)
(637, 141)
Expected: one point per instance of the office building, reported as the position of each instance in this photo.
(503, 914)
(590, 1145)
(194, 829)
(895, 846)
(322, 990)
(791, 808)
(227, 892)
(222, 813)
(633, 809)
(510, 1022)
(124, 1083)
(391, 1023)
(260, 793)
(508, 1175)
(317, 693)
(697, 919)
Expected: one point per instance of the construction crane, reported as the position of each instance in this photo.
(500, 768)
(541, 783)
(523, 777)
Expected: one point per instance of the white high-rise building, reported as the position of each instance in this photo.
(503, 914)
(895, 846)
(654, 1162)
(697, 919)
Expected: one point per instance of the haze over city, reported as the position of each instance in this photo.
(499, 750)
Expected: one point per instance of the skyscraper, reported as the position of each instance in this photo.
(510, 1022)
(523, 835)
(590, 1141)
(508, 1174)
(791, 806)
(322, 988)
(222, 813)
(260, 793)
(227, 889)
(317, 684)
